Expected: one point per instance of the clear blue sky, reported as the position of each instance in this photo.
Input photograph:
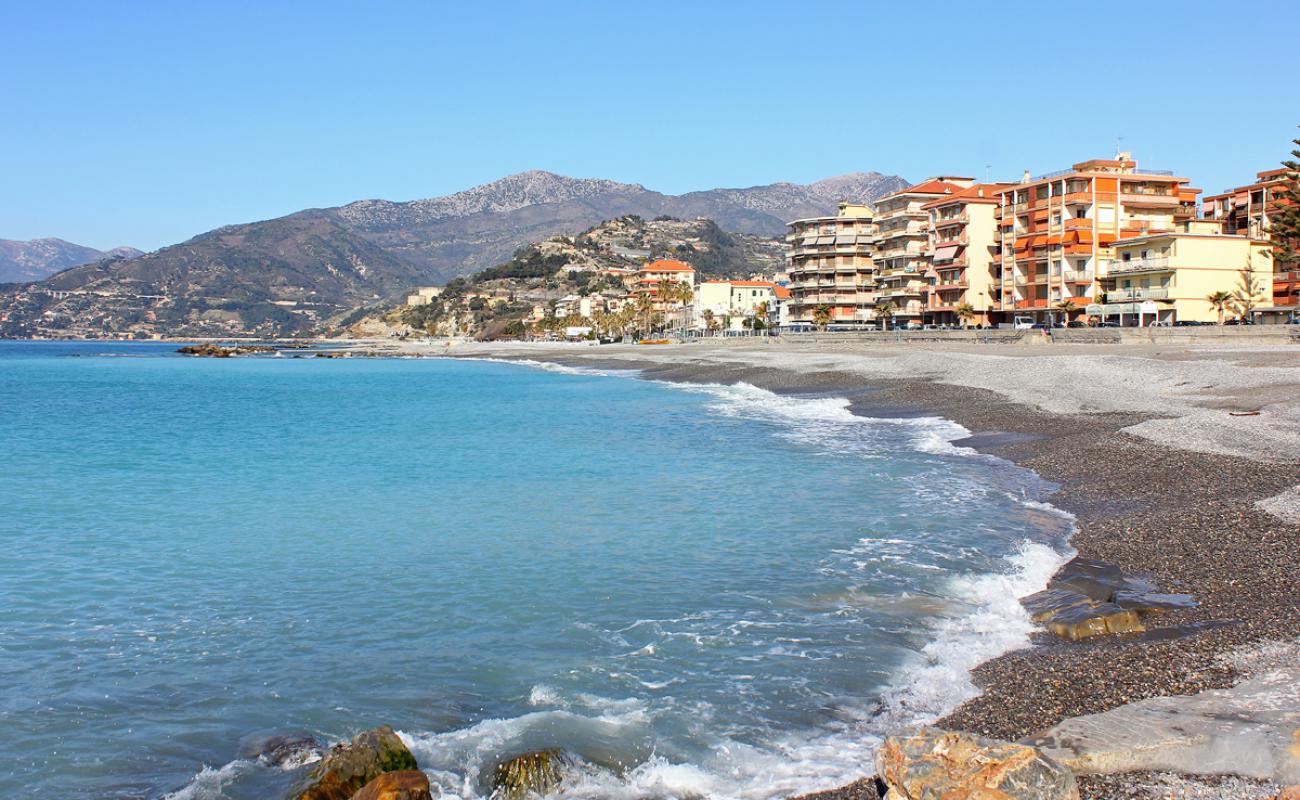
(146, 123)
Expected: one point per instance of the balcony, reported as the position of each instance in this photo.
(1123, 295)
(1117, 266)
(956, 219)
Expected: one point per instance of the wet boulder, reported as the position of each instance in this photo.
(531, 773)
(347, 768)
(930, 764)
(286, 751)
(407, 784)
(1084, 622)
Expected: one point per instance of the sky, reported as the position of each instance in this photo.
(145, 123)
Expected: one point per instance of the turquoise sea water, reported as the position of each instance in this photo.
(714, 591)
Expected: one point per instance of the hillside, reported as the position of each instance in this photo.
(296, 273)
(503, 298)
(38, 259)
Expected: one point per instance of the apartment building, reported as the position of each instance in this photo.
(1169, 275)
(1246, 210)
(903, 245)
(732, 302)
(830, 264)
(962, 240)
(1057, 231)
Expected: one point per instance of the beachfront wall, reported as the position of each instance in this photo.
(1177, 272)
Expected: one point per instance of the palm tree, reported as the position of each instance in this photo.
(1065, 306)
(761, 311)
(645, 305)
(822, 316)
(885, 310)
(1220, 301)
(965, 313)
(710, 319)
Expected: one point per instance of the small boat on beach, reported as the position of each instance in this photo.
(652, 341)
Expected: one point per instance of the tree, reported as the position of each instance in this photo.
(1248, 290)
(1220, 301)
(1065, 306)
(965, 313)
(885, 310)
(710, 319)
(761, 311)
(1284, 223)
(822, 316)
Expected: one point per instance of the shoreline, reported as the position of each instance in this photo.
(1188, 518)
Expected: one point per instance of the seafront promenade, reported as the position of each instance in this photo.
(1181, 462)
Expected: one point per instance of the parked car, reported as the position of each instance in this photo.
(1188, 323)
(1108, 324)
(1078, 323)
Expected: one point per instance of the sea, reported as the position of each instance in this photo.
(691, 590)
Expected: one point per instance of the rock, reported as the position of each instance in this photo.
(1251, 729)
(1153, 601)
(933, 764)
(1085, 622)
(1045, 604)
(346, 768)
(286, 751)
(211, 350)
(531, 773)
(408, 784)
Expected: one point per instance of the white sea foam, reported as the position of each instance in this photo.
(210, 783)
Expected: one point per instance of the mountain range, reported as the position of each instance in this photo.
(40, 258)
(336, 259)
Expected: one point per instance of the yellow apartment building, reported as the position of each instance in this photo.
(963, 239)
(1169, 275)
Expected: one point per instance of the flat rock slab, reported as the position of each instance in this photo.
(934, 764)
(1251, 729)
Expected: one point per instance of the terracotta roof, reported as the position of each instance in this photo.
(667, 266)
(781, 292)
(752, 283)
(930, 186)
(971, 195)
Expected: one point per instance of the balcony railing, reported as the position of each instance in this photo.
(1114, 265)
(1120, 295)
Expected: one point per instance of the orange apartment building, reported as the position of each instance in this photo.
(1055, 232)
(903, 245)
(1245, 210)
(830, 264)
(963, 238)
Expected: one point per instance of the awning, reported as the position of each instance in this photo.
(846, 238)
(945, 253)
(1083, 237)
(825, 240)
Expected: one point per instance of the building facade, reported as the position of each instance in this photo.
(1246, 210)
(962, 240)
(730, 303)
(903, 246)
(1056, 232)
(830, 264)
(1170, 275)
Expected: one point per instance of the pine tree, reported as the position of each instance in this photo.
(1284, 224)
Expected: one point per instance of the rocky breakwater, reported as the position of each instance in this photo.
(375, 765)
(210, 350)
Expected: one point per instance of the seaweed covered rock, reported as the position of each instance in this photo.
(408, 784)
(531, 773)
(347, 768)
(930, 764)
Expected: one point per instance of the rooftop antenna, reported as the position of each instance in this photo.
(1119, 145)
(986, 172)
